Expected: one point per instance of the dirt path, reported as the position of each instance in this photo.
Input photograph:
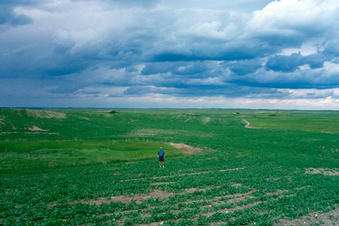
(247, 124)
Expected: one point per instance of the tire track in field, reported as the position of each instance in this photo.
(228, 204)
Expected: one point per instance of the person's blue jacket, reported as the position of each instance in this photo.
(161, 153)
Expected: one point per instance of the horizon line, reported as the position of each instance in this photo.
(171, 108)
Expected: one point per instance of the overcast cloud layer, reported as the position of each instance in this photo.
(169, 53)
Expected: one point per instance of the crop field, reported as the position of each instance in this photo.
(222, 167)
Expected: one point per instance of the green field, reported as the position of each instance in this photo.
(223, 167)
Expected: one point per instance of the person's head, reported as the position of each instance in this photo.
(160, 148)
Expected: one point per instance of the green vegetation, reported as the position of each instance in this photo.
(40, 155)
(96, 167)
(315, 121)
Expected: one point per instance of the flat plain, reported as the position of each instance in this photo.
(223, 167)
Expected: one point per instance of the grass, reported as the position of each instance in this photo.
(316, 121)
(40, 155)
(93, 167)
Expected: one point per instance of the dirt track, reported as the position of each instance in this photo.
(247, 124)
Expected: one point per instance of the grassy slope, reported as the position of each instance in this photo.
(41, 155)
(275, 159)
(316, 121)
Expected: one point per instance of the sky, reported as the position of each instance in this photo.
(170, 54)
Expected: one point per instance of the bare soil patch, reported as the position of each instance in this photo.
(45, 114)
(233, 198)
(162, 183)
(232, 169)
(191, 190)
(236, 185)
(186, 149)
(137, 198)
(227, 199)
(35, 128)
(278, 192)
(126, 199)
(241, 197)
(323, 171)
(237, 200)
(247, 194)
(206, 120)
(153, 224)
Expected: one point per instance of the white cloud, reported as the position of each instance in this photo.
(296, 17)
(206, 81)
(223, 102)
(306, 49)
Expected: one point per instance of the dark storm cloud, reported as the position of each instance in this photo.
(292, 62)
(237, 50)
(318, 79)
(204, 90)
(244, 67)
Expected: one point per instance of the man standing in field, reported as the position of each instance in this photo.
(161, 154)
